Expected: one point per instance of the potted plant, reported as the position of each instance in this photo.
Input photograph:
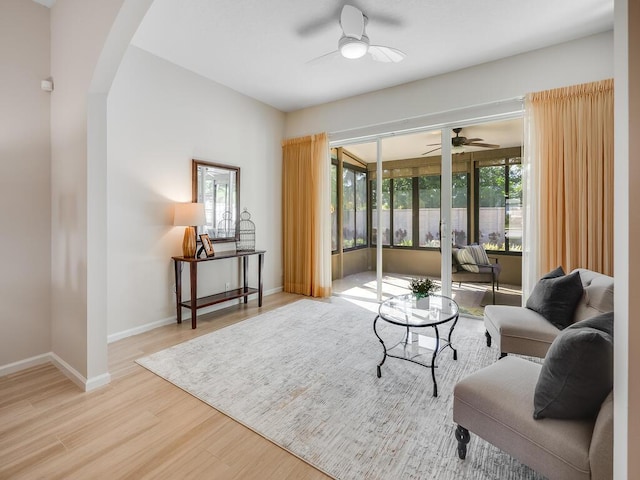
(422, 287)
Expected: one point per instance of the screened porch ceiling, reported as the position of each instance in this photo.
(506, 133)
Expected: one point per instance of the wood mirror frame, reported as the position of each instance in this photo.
(218, 187)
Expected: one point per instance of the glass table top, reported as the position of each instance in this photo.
(408, 310)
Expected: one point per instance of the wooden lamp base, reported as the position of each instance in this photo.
(189, 243)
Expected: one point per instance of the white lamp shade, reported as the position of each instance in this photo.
(189, 214)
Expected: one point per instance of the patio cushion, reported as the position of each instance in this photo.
(467, 261)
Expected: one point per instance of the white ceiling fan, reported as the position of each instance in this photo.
(354, 42)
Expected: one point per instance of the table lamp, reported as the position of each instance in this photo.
(189, 215)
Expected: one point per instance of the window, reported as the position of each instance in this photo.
(334, 208)
(348, 208)
(486, 201)
(460, 208)
(361, 208)
(499, 212)
(429, 205)
(385, 211)
(354, 207)
(403, 211)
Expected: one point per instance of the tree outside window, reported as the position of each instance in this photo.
(384, 211)
(403, 212)
(361, 208)
(500, 207)
(429, 216)
(354, 207)
(334, 208)
(348, 208)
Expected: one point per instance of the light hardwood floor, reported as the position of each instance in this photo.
(139, 426)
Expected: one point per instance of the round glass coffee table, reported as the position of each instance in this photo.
(414, 314)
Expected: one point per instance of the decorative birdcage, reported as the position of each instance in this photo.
(247, 230)
(225, 227)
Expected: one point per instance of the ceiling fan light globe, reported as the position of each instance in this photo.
(353, 48)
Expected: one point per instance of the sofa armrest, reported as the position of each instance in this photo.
(601, 449)
(496, 403)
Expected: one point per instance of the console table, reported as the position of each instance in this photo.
(195, 303)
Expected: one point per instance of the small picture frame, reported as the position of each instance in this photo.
(206, 244)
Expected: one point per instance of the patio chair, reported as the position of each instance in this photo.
(471, 264)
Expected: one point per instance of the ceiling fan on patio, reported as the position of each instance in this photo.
(354, 42)
(459, 142)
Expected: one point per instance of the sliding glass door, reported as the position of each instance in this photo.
(403, 201)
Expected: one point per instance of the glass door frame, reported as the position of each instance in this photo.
(446, 187)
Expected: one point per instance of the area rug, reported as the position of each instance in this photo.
(502, 298)
(304, 377)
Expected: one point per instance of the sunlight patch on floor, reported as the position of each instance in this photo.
(361, 289)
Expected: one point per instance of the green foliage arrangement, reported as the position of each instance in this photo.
(422, 287)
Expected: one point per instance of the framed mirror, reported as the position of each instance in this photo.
(218, 187)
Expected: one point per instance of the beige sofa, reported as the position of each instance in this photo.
(523, 331)
(497, 402)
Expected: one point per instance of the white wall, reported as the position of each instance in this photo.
(580, 61)
(160, 116)
(78, 33)
(627, 227)
(25, 155)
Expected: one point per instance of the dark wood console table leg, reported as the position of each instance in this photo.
(245, 280)
(193, 274)
(260, 265)
(177, 266)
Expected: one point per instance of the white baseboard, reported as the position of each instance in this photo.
(70, 372)
(26, 363)
(97, 382)
(114, 337)
(103, 379)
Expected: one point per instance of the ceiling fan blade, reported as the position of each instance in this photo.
(318, 25)
(386, 54)
(352, 22)
(323, 59)
(485, 145)
(433, 144)
(430, 151)
(468, 140)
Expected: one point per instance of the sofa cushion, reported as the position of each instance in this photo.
(577, 373)
(556, 298)
(519, 330)
(598, 294)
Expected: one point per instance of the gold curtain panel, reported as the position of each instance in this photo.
(573, 133)
(305, 216)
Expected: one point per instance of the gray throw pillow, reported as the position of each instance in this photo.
(558, 272)
(577, 373)
(556, 298)
(602, 322)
